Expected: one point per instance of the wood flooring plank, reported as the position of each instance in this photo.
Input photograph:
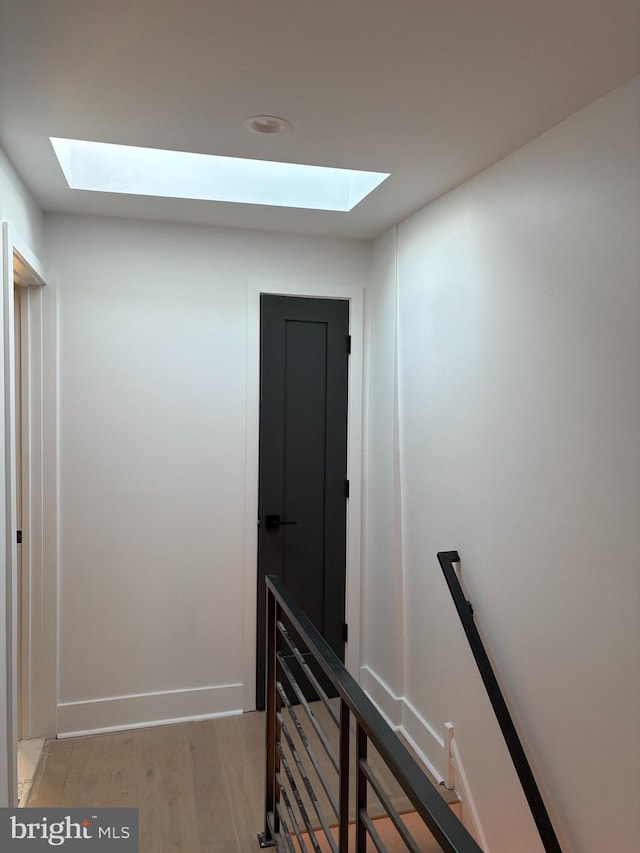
(80, 791)
(179, 820)
(118, 751)
(213, 803)
(119, 776)
(244, 785)
(54, 745)
(85, 756)
(49, 780)
(149, 802)
(228, 846)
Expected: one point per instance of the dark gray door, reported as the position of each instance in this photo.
(303, 461)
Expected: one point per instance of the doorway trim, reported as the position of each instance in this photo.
(29, 278)
(354, 294)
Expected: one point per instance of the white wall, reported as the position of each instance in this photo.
(383, 583)
(25, 218)
(18, 207)
(152, 347)
(519, 410)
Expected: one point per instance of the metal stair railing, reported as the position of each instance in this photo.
(547, 834)
(302, 670)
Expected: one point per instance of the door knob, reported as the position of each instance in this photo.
(272, 522)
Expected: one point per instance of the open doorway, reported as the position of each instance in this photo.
(22, 278)
(29, 743)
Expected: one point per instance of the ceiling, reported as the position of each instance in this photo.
(432, 91)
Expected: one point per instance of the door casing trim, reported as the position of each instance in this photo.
(354, 294)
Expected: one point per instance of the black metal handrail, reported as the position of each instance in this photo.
(283, 823)
(505, 721)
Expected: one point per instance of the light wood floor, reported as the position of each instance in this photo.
(199, 786)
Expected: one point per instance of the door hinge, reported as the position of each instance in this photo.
(19, 537)
(348, 344)
(345, 632)
(346, 488)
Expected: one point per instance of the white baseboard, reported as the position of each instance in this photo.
(117, 713)
(389, 705)
(424, 739)
(468, 811)
(435, 751)
(405, 719)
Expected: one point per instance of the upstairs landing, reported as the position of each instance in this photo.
(199, 786)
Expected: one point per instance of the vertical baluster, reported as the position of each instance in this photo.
(343, 838)
(277, 730)
(361, 789)
(271, 789)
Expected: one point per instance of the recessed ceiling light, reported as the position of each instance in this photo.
(104, 167)
(266, 124)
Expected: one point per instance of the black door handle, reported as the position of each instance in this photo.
(272, 522)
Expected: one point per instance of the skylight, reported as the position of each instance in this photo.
(103, 167)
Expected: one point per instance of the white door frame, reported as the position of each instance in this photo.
(320, 290)
(30, 278)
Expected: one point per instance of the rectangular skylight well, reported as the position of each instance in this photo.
(104, 167)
